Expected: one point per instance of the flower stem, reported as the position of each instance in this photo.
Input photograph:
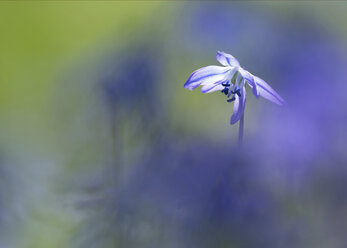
(241, 130)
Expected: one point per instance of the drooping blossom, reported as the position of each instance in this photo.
(231, 79)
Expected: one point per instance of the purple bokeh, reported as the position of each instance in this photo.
(200, 193)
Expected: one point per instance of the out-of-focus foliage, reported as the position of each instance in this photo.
(102, 147)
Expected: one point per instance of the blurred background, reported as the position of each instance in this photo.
(101, 146)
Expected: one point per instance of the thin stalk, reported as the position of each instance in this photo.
(241, 130)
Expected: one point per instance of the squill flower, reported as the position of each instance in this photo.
(231, 79)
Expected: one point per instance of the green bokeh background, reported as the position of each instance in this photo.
(39, 42)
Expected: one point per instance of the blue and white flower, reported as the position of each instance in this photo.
(231, 80)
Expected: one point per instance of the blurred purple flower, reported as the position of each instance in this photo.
(118, 83)
(205, 198)
(230, 79)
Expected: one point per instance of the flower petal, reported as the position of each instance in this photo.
(212, 88)
(227, 59)
(250, 80)
(209, 74)
(267, 92)
(218, 79)
(239, 106)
